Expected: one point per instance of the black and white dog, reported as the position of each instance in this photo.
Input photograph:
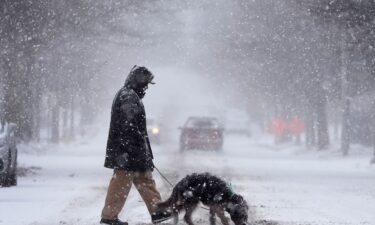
(212, 192)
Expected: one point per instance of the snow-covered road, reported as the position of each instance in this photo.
(66, 184)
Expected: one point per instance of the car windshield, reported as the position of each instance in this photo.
(202, 123)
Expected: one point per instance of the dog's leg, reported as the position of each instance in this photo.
(175, 219)
(212, 216)
(188, 212)
(221, 215)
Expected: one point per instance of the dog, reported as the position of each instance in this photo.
(210, 191)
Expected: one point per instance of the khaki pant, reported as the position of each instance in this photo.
(119, 188)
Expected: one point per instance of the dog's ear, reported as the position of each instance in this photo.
(238, 199)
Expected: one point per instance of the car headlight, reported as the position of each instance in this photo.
(155, 130)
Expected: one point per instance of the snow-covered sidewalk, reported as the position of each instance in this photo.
(66, 184)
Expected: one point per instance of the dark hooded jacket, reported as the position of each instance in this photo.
(128, 145)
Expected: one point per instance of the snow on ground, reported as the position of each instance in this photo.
(287, 184)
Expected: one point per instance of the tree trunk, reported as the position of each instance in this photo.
(345, 133)
(72, 109)
(48, 125)
(310, 127)
(321, 122)
(37, 120)
(336, 121)
(65, 123)
(10, 100)
(27, 97)
(55, 114)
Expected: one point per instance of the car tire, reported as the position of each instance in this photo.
(9, 178)
(12, 178)
(3, 179)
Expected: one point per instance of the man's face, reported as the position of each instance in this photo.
(141, 90)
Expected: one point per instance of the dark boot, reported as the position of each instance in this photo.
(160, 216)
(113, 222)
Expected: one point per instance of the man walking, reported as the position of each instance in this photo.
(129, 151)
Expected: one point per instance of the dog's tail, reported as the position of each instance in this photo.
(171, 201)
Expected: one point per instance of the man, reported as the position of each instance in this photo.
(129, 151)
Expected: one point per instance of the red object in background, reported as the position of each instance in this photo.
(296, 126)
(278, 126)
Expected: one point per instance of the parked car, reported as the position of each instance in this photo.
(153, 130)
(8, 155)
(201, 133)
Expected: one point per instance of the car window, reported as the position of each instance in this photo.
(3, 128)
(202, 123)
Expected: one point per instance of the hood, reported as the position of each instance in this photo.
(139, 77)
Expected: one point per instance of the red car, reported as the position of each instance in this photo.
(201, 133)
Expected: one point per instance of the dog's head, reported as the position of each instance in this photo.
(238, 210)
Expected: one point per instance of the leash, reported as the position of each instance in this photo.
(162, 175)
